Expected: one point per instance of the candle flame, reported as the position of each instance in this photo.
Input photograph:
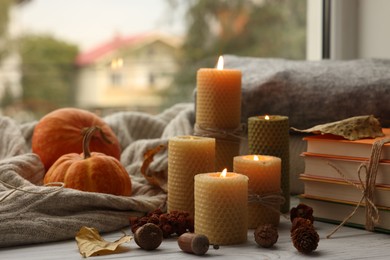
(223, 173)
(220, 63)
(266, 117)
(256, 158)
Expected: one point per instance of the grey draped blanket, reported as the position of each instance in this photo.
(308, 92)
(314, 92)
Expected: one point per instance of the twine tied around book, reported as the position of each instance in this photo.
(269, 200)
(60, 186)
(367, 187)
(233, 135)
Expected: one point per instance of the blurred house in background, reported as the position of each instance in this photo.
(127, 73)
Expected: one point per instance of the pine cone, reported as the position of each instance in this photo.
(303, 211)
(305, 239)
(299, 222)
(266, 235)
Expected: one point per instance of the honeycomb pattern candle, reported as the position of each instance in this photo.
(264, 180)
(269, 135)
(187, 156)
(221, 207)
(218, 109)
(225, 151)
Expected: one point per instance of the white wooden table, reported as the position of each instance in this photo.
(347, 243)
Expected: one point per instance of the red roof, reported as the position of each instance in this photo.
(118, 41)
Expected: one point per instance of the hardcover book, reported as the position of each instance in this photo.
(338, 146)
(333, 184)
(334, 211)
(340, 168)
(334, 189)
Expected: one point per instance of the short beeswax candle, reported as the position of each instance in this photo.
(221, 209)
(269, 135)
(264, 180)
(187, 156)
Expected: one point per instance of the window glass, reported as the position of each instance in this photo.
(116, 55)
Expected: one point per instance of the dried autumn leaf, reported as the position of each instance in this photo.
(154, 178)
(352, 128)
(91, 243)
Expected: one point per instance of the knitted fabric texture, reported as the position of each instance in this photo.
(28, 217)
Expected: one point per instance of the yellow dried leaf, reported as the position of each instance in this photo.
(90, 242)
(352, 128)
(158, 179)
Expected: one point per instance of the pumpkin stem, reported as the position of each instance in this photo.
(88, 132)
(104, 136)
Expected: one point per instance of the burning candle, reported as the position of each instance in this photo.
(218, 98)
(269, 135)
(187, 156)
(264, 181)
(221, 207)
(218, 110)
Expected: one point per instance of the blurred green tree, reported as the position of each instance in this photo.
(5, 7)
(7, 97)
(48, 73)
(48, 69)
(257, 28)
(7, 45)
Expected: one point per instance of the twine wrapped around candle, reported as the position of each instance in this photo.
(235, 134)
(367, 187)
(227, 143)
(269, 200)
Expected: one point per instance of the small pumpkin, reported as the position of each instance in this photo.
(90, 171)
(61, 132)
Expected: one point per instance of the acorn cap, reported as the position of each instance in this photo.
(200, 244)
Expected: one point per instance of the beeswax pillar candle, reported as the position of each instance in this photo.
(187, 156)
(264, 181)
(221, 207)
(269, 135)
(225, 151)
(218, 98)
(218, 110)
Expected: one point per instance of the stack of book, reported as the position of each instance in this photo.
(331, 166)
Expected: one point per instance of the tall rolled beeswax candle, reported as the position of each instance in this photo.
(187, 156)
(218, 109)
(264, 181)
(269, 135)
(221, 207)
(225, 151)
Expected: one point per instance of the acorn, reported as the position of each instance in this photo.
(194, 243)
(148, 237)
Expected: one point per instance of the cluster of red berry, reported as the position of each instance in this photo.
(174, 222)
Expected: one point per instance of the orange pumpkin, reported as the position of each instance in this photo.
(90, 171)
(61, 132)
